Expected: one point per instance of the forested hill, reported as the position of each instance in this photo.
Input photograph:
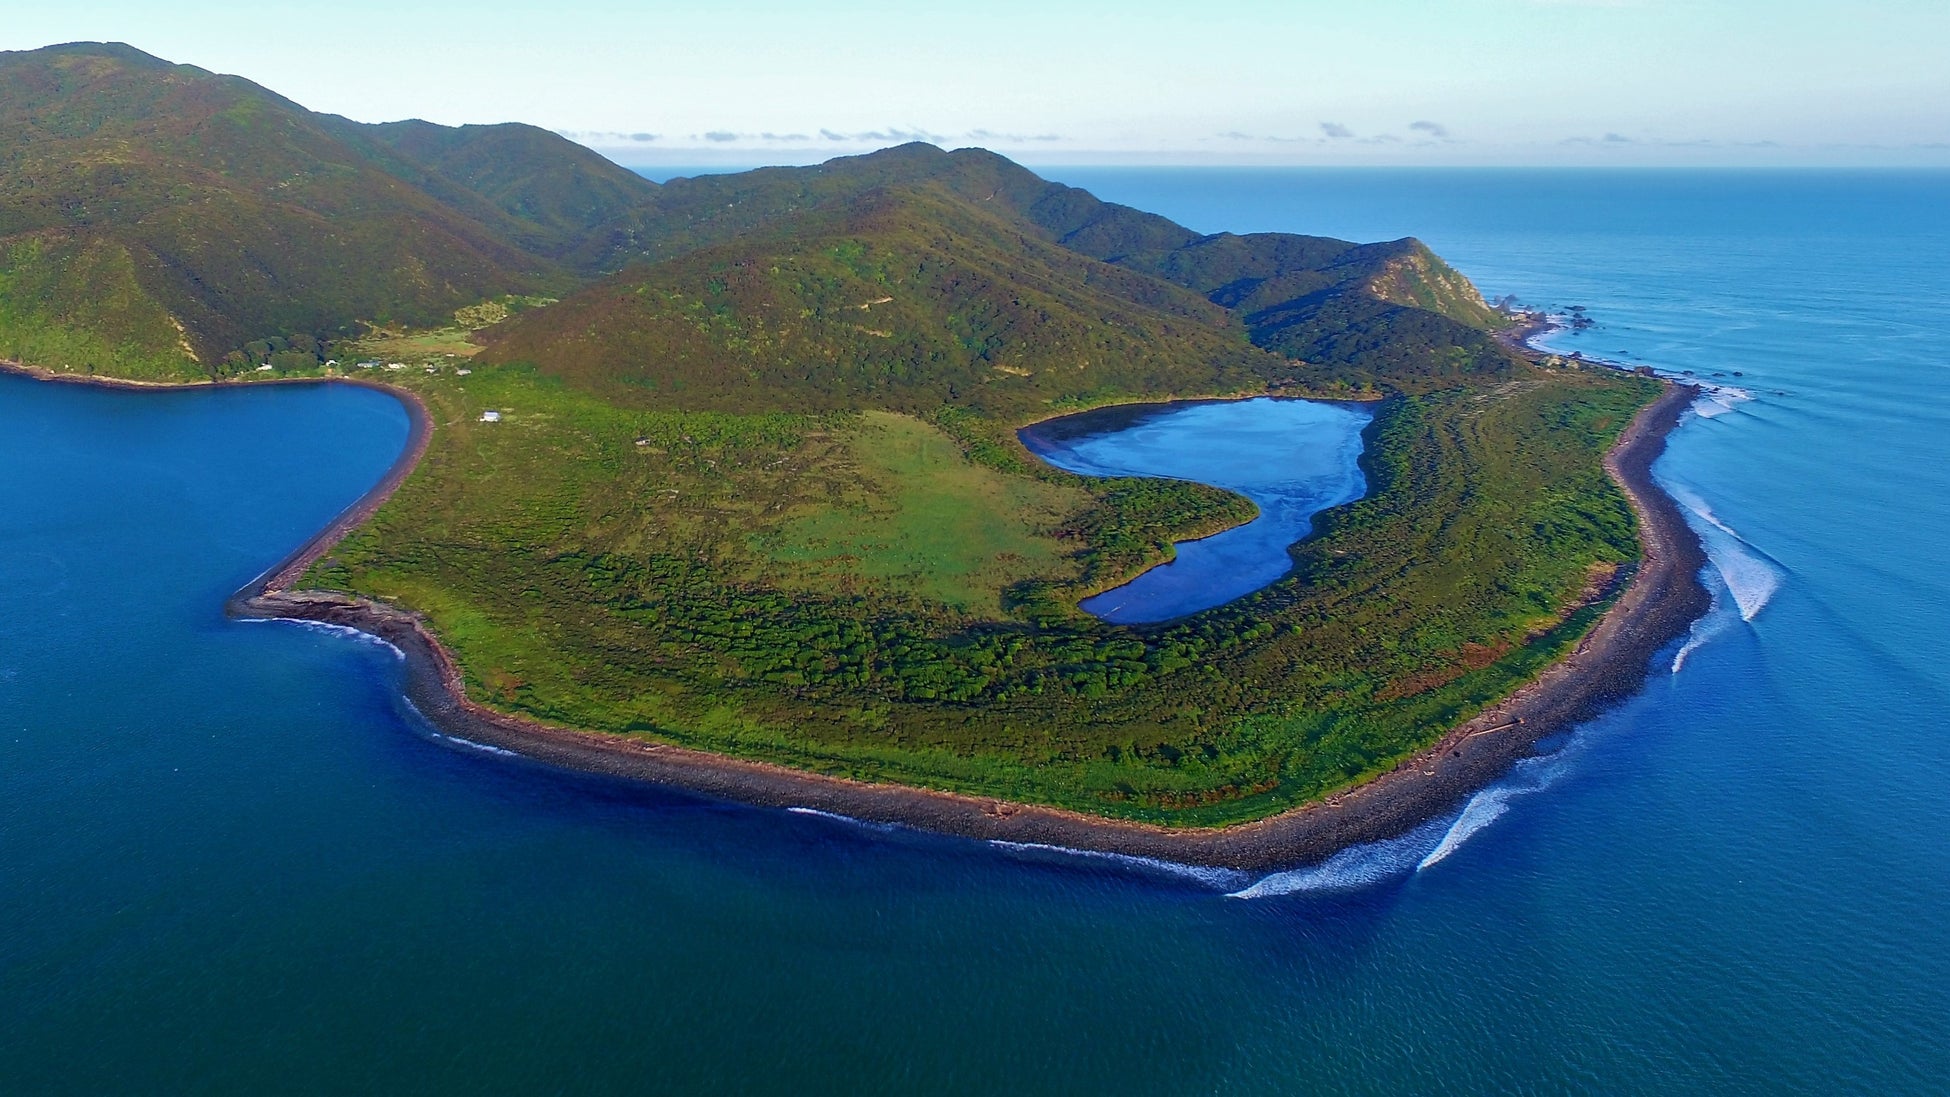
(154, 217)
(1389, 315)
(907, 298)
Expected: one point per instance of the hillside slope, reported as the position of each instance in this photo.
(154, 217)
(908, 298)
(1391, 315)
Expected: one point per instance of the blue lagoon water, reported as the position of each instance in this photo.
(1293, 458)
(229, 862)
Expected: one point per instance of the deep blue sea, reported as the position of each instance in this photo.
(230, 863)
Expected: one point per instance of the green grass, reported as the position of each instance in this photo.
(925, 522)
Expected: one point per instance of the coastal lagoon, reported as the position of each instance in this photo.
(234, 861)
(1292, 458)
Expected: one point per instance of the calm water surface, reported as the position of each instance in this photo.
(1294, 458)
(229, 863)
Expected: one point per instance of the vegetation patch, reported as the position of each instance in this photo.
(921, 519)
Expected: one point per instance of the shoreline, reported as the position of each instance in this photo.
(1662, 598)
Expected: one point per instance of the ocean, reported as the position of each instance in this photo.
(232, 861)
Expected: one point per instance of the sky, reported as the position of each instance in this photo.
(1434, 82)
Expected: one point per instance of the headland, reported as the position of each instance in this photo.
(1661, 596)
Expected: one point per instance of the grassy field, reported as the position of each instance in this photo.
(923, 521)
(412, 347)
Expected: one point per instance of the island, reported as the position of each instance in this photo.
(719, 484)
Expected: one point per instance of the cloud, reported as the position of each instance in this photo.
(608, 137)
(894, 133)
(1016, 138)
(1335, 130)
(1434, 129)
(1617, 139)
(1268, 138)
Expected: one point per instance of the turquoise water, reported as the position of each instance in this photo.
(1293, 458)
(229, 862)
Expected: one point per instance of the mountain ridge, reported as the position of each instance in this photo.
(1391, 314)
(213, 211)
(155, 218)
(906, 299)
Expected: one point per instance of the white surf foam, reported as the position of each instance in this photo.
(1750, 579)
(1427, 845)
(1211, 877)
(1355, 867)
(336, 630)
(1484, 808)
(1528, 776)
(1716, 620)
(1717, 400)
(472, 745)
(838, 818)
(822, 814)
(1741, 581)
(426, 726)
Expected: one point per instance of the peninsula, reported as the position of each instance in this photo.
(717, 483)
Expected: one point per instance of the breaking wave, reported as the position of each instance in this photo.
(1531, 775)
(1718, 617)
(1211, 877)
(1427, 845)
(336, 630)
(420, 722)
(470, 744)
(1717, 400)
(838, 818)
(1751, 578)
(1355, 867)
